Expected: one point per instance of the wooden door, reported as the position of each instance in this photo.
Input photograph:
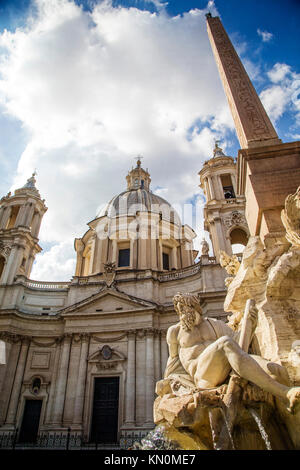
(105, 410)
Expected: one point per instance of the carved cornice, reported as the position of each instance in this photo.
(108, 340)
(77, 337)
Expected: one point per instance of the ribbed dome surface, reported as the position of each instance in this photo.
(130, 202)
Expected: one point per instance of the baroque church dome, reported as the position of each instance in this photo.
(139, 198)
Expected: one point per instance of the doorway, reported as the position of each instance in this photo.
(31, 420)
(105, 410)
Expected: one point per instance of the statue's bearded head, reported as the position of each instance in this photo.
(188, 308)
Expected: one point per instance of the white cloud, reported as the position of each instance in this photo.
(279, 72)
(275, 100)
(92, 90)
(265, 35)
(283, 94)
(56, 263)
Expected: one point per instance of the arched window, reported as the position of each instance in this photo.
(238, 240)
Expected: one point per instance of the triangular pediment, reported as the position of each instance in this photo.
(109, 300)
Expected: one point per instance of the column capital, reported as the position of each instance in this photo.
(10, 337)
(131, 334)
(25, 339)
(149, 332)
(67, 337)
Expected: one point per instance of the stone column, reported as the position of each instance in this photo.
(34, 224)
(13, 263)
(207, 193)
(79, 246)
(93, 248)
(217, 187)
(28, 216)
(2, 212)
(153, 253)
(38, 226)
(62, 381)
(174, 263)
(74, 361)
(220, 187)
(140, 377)
(81, 381)
(104, 252)
(220, 233)
(5, 216)
(130, 381)
(159, 255)
(50, 404)
(211, 188)
(20, 215)
(157, 360)
(149, 376)
(29, 265)
(164, 351)
(17, 385)
(114, 255)
(7, 384)
(142, 260)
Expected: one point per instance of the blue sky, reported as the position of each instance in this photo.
(83, 91)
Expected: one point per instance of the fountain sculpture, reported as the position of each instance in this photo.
(235, 385)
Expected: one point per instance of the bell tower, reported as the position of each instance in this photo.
(20, 219)
(224, 211)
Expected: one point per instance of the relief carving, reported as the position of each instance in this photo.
(241, 94)
(106, 358)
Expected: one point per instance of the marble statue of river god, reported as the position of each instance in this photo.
(202, 352)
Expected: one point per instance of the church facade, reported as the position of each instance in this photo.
(85, 355)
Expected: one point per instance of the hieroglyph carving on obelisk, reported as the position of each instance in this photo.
(252, 123)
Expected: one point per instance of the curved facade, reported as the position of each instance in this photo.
(67, 342)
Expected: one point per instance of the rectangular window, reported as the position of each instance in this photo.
(166, 264)
(124, 257)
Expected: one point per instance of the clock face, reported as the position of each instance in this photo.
(106, 352)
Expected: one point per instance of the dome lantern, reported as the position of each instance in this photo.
(138, 178)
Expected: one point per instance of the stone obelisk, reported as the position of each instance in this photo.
(268, 170)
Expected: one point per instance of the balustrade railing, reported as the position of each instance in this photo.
(46, 285)
(67, 441)
(180, 273)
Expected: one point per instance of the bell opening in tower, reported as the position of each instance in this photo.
(227, 187)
